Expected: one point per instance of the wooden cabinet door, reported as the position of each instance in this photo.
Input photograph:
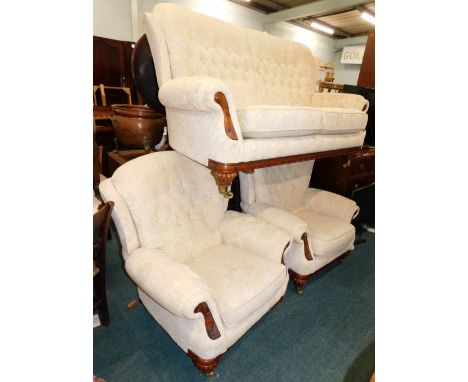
(112, 67)
(367, 73)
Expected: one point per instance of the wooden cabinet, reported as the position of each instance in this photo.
(345, 174)
(367, 73)
(112, 67)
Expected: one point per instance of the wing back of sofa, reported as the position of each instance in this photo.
(281, 186)
(259, 68)
(173, 201)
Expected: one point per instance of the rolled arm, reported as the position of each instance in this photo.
(205, 95)
(171, 284)
(254, 235)
(341, 100)
(194, 93)
(294, 226)
(330, 204)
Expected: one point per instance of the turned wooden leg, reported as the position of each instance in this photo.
(206, 366)
(224, 181)
(299, 281)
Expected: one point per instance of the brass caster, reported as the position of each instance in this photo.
(223, 190)
(116, 143)
(299, 290)
(210, 373)
(146, 145)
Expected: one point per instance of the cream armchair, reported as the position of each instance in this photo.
(317, 221)
(239, 99)
(205, 274)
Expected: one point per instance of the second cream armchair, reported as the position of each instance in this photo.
(318, 222)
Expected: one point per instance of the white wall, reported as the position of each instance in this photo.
(320, 45)
(346, 73)
(113, 19)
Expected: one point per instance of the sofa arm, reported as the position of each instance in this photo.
(330, 204)
(294, 226)
(193, 93)
(254, 235)
(341, 100)
(202, 94)
(171, 284)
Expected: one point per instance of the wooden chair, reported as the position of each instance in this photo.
(97, 167)
(95, 89)
(330, 86)
(101, 221)
(102, 90)
(101, 112)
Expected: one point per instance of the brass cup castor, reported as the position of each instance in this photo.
(223, 190)
(299, 290)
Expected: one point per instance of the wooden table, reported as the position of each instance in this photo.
(117, 159)
(103, 117)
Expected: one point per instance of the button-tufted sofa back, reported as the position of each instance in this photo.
(259, 68)
(173, 201)
(281, 186)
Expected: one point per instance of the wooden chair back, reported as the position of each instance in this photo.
(97, 167)
(101, 221)
(330, 86)
(102, 89)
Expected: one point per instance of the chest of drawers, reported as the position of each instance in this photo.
(345, 174)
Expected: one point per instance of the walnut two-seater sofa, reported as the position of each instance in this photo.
(239, 99)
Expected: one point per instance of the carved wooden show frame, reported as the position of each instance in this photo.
(224, 173)
(210, 325)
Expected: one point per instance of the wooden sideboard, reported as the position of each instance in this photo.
(345, 174)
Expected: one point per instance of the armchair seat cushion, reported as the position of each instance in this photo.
(327, 235)
(240, 282)
(277, 121)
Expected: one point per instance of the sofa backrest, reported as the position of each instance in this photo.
(259, 68)
(281, 186)
(173, 201)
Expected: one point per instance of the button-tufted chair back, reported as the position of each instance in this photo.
(281, 186)
(259, 68)
(173, 202)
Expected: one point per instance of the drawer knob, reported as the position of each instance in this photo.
(356, 186)
(347, 164)
(361, 166)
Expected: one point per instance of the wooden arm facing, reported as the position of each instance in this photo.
(210, 324)
(307, 253)
(221, 100)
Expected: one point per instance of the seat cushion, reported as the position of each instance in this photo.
(240, 282)
(276, 121)
(328, 236)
